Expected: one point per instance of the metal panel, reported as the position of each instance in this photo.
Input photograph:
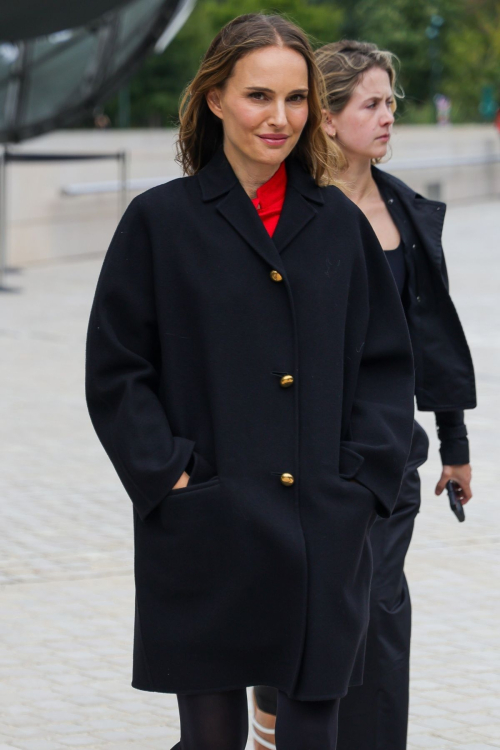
(52, 81)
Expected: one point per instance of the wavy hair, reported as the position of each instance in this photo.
(344, 63)
(201, 132)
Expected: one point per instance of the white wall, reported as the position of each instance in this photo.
(46, 225)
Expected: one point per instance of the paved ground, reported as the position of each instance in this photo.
(66, 553)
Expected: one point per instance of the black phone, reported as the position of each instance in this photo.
(455, 504)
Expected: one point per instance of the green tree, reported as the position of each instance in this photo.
(472, 60)
(156, 89)
(465, 52)
(402, 26)
(461, 59)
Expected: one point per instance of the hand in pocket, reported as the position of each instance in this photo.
(199, 471)
(182, 481)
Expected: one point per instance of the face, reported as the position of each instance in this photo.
(263, 106)
(363, 128)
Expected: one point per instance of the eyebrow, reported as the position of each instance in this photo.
(270, 91)
(378, 98)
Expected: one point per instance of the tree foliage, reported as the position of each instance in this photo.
(462, 58)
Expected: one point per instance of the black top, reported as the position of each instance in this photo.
(396, 259)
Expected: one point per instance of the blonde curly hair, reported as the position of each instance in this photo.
(344, 63)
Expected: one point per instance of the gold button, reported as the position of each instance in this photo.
(286, 381)
(287, 479)
(276, 276)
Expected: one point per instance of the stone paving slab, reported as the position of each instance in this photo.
(66, 554)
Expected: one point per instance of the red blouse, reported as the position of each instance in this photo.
(270, 199)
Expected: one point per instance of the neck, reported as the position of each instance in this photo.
(251, 174)
(359, 180)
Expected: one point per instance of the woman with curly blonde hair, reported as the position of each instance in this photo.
(362, 92)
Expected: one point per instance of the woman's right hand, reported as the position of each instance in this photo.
(182, 481)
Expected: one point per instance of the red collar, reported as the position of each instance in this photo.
(270, 198)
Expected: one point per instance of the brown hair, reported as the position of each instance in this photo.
(343, 64)
(201, 132)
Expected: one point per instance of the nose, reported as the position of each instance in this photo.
(387, 117)
(278, 117)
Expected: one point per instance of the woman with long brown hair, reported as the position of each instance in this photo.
(361, 101)
(257, 408)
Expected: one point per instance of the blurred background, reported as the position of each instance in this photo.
(114, 85)
(88, 113)
(450, 47)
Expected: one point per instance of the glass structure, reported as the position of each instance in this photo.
(50, 81)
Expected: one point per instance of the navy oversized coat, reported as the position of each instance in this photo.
(198, 317)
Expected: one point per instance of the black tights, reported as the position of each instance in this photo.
(213, 721)
(219, 721)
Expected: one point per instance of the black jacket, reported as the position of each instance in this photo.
(444, 374)
(189, 338)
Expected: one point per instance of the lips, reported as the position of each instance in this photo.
(274, 139)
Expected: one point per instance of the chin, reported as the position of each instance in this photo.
(380, 152)
(376, 156)
(272, 158)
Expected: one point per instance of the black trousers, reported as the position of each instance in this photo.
(219, 721)
(374, 716)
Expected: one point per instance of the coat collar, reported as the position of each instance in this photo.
(218, 181)
(217, 178)
(302, 198)
(427, 216)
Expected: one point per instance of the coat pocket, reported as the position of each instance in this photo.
(350, 462)
(195, 538)
(362, 497)
(215, 480)
(201, 474)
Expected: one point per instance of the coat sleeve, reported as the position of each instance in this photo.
(379, 428)
(452, 434)
(122, 370)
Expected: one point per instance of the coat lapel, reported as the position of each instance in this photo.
(427, 216)
(217, 180)
(429, 220)
(238, 210)
(299, 209)
(296, 214)
(219, 184)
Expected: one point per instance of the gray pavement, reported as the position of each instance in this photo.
(66, 545)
